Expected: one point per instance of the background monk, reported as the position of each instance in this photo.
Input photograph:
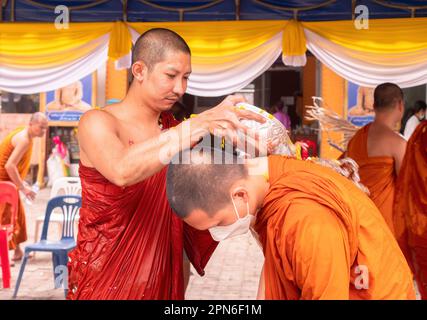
(322, 237)
(15, 160)
(378, 149)
(130, 244)
(410, 211)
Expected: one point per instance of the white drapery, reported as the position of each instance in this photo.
(29, 80)
(209, 79)
(369, 69)
(366, 62)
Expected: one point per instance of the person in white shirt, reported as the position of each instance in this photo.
(412, 123)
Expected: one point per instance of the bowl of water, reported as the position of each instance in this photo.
(273, 136)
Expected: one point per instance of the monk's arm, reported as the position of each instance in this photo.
(318, 255)
(399, 149)
(125, 165)
(11, 166)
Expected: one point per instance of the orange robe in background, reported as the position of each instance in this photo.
(6, 149)
(376, 173)
(411, 206)
(130, 243)
(323, 238)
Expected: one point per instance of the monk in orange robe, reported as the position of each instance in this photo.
(322, 237)
(130, 245)
(378, 149)
(410, 211)
(15, 158)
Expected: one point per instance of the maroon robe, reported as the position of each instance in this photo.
(130, 243)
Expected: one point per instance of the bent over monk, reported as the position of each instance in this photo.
(15, 161)
(378, 149)
(322, 237)
(130, 244)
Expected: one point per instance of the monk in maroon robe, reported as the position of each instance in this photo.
(130, 244)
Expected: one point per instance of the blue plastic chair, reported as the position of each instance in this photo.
(69, 206)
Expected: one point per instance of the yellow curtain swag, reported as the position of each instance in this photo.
(294, 42)
(40, 45)
(120, 41)
(218, 40)
(383, 36)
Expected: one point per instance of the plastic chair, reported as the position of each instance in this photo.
(68, 186)
(9, 195)
(69, 206)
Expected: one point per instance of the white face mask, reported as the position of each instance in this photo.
(241, 226)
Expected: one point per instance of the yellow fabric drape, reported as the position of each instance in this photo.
(41, 45)
(219, 38)
(120, 41)
(294, 43)
(384, 36)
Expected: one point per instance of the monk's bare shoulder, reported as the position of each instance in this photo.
(97, 121)
(22, 139)
(97, 130)
(398, 145)
(394, 140)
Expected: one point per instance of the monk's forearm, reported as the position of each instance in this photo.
(142, 160)
(14, 176)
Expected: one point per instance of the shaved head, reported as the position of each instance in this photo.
(38, 117)
(202, 183)
(153, 45)
(386, 96)
(38, 124)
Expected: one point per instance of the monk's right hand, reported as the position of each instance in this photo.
(29, 193)
(224, 119)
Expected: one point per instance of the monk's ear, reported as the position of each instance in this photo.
(139, 70)
(401, 106)
(240, 193)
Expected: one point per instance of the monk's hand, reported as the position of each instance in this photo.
(28, 192)
(224, 119)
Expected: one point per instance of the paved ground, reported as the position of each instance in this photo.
(232, 272)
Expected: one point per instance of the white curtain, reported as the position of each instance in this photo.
(369, 69)
(210, 79)
(28, 81)
(213, 78)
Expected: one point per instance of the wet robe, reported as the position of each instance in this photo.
(6, 149)
(376, 173)
(130, 243)
(410, 211)
(323, 238)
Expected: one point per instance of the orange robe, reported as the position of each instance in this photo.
(6, 148)
(411, 206)
(323, 238)
(376, 173)
(130, 243)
